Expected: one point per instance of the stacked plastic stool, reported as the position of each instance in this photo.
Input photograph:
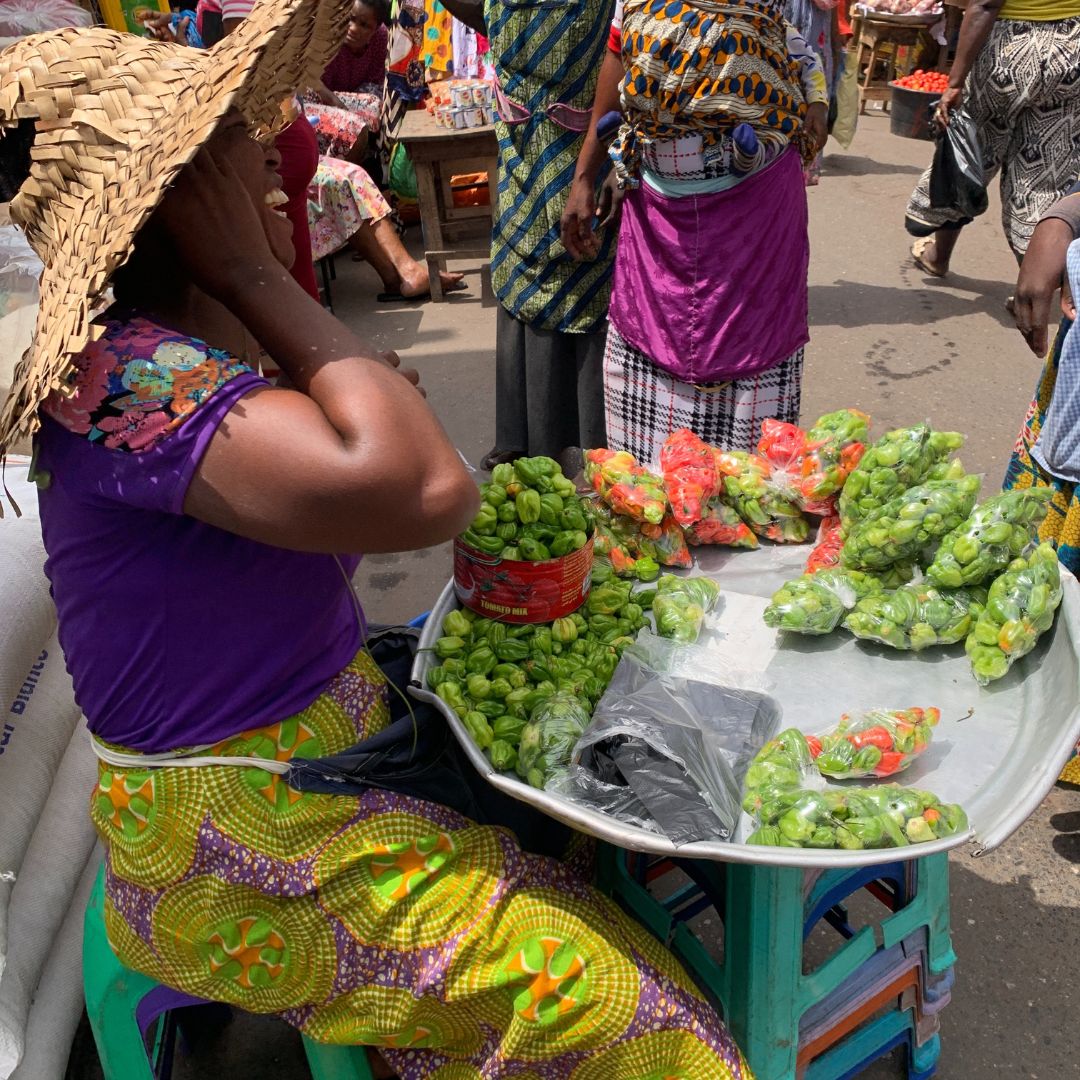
(135, 1020)
(883, 987)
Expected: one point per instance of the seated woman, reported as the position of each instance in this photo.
(346, 209)
(344, 105)
(202, 528)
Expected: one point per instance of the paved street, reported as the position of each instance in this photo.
(903, 348)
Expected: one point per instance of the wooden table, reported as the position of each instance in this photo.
(437, 153)
(877, 41)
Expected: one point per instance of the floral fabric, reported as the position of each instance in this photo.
(138, 383)
(342, 198)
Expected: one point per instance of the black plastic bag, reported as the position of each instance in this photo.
(957, 177)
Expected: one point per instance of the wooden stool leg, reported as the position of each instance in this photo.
(428, 197)
(866, 78)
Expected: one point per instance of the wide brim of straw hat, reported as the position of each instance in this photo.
(118, 117)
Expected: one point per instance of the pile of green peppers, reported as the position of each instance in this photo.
(916, 617)
(815, 603)
(997, 531)
(529, 512)
(760, 503)
(792, 810)
(681, 604)
(494, 675)
(907, 525)
(1020, 607)
(897, 461)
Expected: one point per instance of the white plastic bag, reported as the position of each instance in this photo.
(21, 17)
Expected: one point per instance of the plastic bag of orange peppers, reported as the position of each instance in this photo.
(625, 486)
(627, 543)
(881, 742)
(830, 542)
(691, 478)
(810, 467)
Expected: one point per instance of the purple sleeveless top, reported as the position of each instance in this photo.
(176, 633)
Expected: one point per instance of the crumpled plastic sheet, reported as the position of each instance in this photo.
(681, 745)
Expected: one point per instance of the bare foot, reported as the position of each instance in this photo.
(416, 283)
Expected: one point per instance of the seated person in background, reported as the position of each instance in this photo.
(344, 105)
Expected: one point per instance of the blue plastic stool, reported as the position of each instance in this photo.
(767, 913)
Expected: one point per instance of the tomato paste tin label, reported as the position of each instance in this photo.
(522, 592)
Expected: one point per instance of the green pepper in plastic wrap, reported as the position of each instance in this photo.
(681, 605)
(625, 486)
(816, 603)
(899, 460)
(997, 531)
(1019, 609)
(758, 501)
(549, 737)
(906, 526)
(917, 616)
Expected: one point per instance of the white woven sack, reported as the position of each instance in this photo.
(47, 879)
(35, 730)
(58, 1003)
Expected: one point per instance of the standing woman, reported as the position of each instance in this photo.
(709, 301)
(552, 315)
(1017, 75)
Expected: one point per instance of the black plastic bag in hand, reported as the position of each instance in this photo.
(957, 179)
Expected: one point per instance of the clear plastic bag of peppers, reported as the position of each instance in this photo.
(750, 490)
(917, 616)
(625, 486)
(997, 531)
(907, 525)
(691, 478)
(900, 459)
(681, 604)
(1019, 610)
(827, 547)
(635, 547)
(816, 603)
(878, 743)
(812, 466)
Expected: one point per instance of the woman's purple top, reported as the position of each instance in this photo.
(176, 633)
(348, 72)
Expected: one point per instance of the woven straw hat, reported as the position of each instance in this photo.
(117, 117)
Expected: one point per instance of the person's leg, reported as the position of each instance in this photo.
(592, 427)
(1043, 159)
(379, 243)
(990, 105)
(511, 413)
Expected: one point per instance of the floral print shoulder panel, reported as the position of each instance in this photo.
(139, 382)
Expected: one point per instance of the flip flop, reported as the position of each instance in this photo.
(918, 250)
(398, 298)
